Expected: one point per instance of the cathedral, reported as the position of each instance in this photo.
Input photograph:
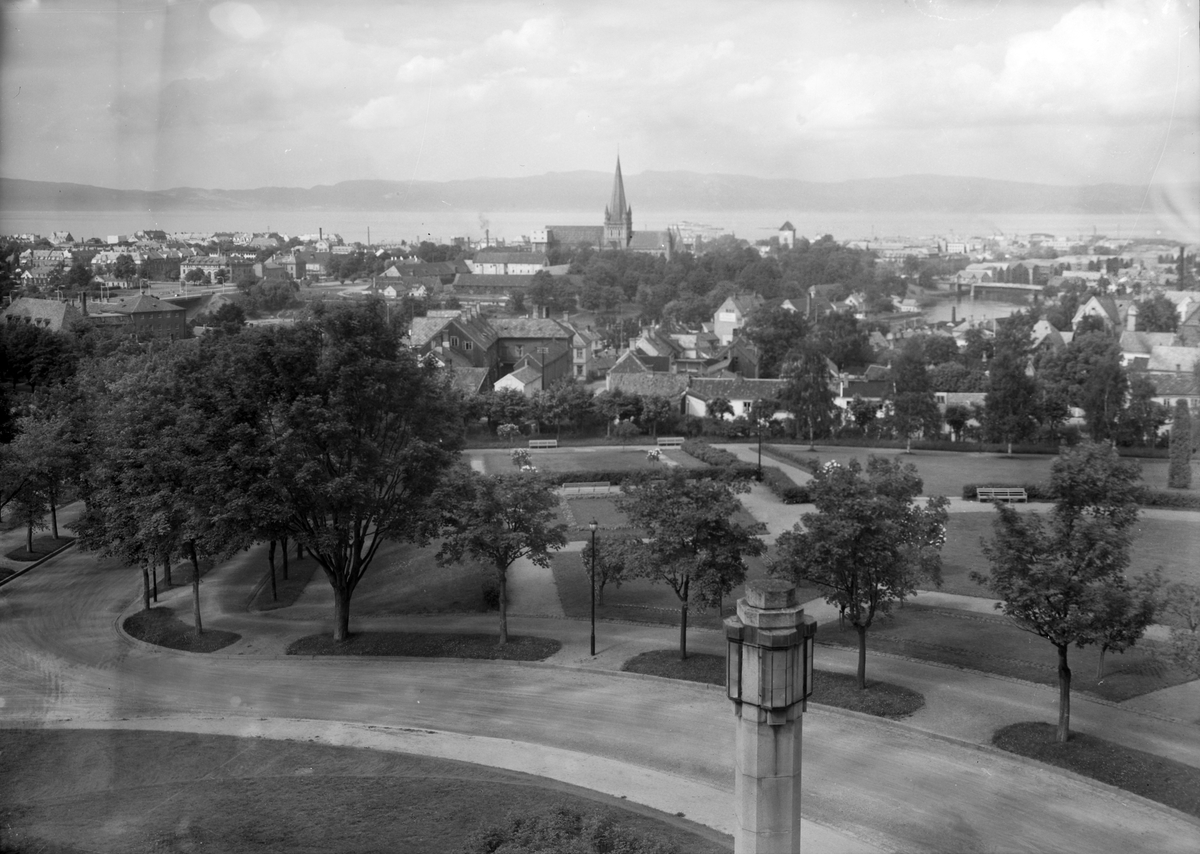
(616, 232)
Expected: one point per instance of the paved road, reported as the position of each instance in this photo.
(869, 784)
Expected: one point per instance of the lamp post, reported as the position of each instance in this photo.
(761, 423)
(593, 526)
(769, 676)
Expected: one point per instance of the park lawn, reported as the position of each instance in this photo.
(1171, 542)
(190, 792)
(993, 644)
(638, 600)
(1155, 777)
(589, 458)
(288, 590)
(831, 689)
(406, 579)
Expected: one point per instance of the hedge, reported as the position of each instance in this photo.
(810, 464)
(1171, 499)
(618, 476)
(706, 453)
(784, 487)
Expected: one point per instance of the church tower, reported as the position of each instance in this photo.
(618, 216)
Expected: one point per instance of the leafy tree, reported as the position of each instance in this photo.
(615, 406)
(1010, 406)
(1183, 600)
(195, 275)
(80, 274)
(1087, 373)
(957, 415)
(1142, 417)
(656, 409)
(572, 400)
(613, 559)
(508, 406)
(362, 434)
(954, 377)
(1179, 472)
(499, 520)
(552, 293)
(692, 544)
(124, 268)
(914, 409)
(843, 339)
(1063, 578)
(869, 544)
(718, 407)
(508, 431)
(978, 348)
(776, 332)
(862, 412)
(807, 394)
(624, 431)
(1157, 314)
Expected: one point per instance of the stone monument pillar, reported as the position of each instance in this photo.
(769, 679)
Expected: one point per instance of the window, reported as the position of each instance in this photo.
(520, 350)
(454, 341)
(578, 352)
(467, 345)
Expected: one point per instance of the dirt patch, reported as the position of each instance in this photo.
(152, 791)
(161, 627)
(1154, 777)
(429, 645)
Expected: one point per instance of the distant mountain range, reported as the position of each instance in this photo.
(649, 191)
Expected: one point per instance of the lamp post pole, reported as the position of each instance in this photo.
(593, 526)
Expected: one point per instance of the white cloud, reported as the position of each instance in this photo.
(238, 19)
(378, 113)
(756, 89)
(533, 35)
(419, 68)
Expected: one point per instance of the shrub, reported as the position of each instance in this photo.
(1171, 499)
(1179, 474)
(706, 453)
(784, 488)
(810, 464)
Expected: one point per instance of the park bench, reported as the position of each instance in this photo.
(670, 441)
(536, 444)
(595, 487)
(1001, 493)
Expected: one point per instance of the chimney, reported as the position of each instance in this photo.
(83, 303)
(632, 343)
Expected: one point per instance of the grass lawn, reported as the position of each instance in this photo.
(288, 590)
(1169, 543)
(604, 510)
(831, 689)
(406, 579)
(994, 645)
(185, 792)
(1154, 777)
(161, 627)
(429, 645)
(43, 544)
(590, 458)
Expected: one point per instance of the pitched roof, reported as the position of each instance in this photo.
(468, 380)
(529, 327)
(493, 257)
(650, 241)
(525, 375)
(658, 384)
(1173, 358)
(1175, 384)
(570, 235)
(142, 304)
(735, 389)
(628, 362)
(617, 204)
(424, 328)
(1145, 342)
(54, 313)
(787, 226)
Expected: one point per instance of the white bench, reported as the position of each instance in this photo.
(598, 487)
(1001, 493)
(535, 444)
(670, 441)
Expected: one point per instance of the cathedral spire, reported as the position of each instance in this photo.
(618, 216)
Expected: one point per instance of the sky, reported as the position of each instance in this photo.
(154, 94)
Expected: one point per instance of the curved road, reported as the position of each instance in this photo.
(876, 785)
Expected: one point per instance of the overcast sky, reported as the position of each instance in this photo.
(155, 94)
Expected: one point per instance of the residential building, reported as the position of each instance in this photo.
(731, 315)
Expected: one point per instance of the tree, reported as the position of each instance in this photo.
(195, 275)
(362, 434)
(1183, 600)
(1010, 405)
(776, 332)
(1179, 473)
(1157, 314)
(80, 275)
(499, 519)
(1063, 578)
(656, 409)
(957, 415)
(613, 559)
(615, 406)
(550, 292)
(914, 408)
(125, 268)
(863, 412)
(623, 431)
(869, 544)
(807, 395)
(1140, 420)
(692, 543)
